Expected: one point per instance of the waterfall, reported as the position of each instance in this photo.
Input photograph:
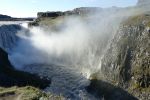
(8, 37)
(68, 56)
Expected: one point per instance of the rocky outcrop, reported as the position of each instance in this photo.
(12, 77)
(126, 63)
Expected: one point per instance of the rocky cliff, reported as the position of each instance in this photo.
(126, 63)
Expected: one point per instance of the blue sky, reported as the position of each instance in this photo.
(29, 8)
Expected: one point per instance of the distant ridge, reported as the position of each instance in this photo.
(4, 16)
(9, 18)
(76, 11)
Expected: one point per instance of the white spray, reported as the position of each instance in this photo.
(79, 45)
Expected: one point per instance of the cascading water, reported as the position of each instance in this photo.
(8, 36)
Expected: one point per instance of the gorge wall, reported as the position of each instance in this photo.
(126, 63)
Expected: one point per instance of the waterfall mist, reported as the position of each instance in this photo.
(80, 44)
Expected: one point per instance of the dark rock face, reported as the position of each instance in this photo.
(11, 77)
(108, 91)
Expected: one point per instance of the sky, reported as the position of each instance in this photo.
(29, 8)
